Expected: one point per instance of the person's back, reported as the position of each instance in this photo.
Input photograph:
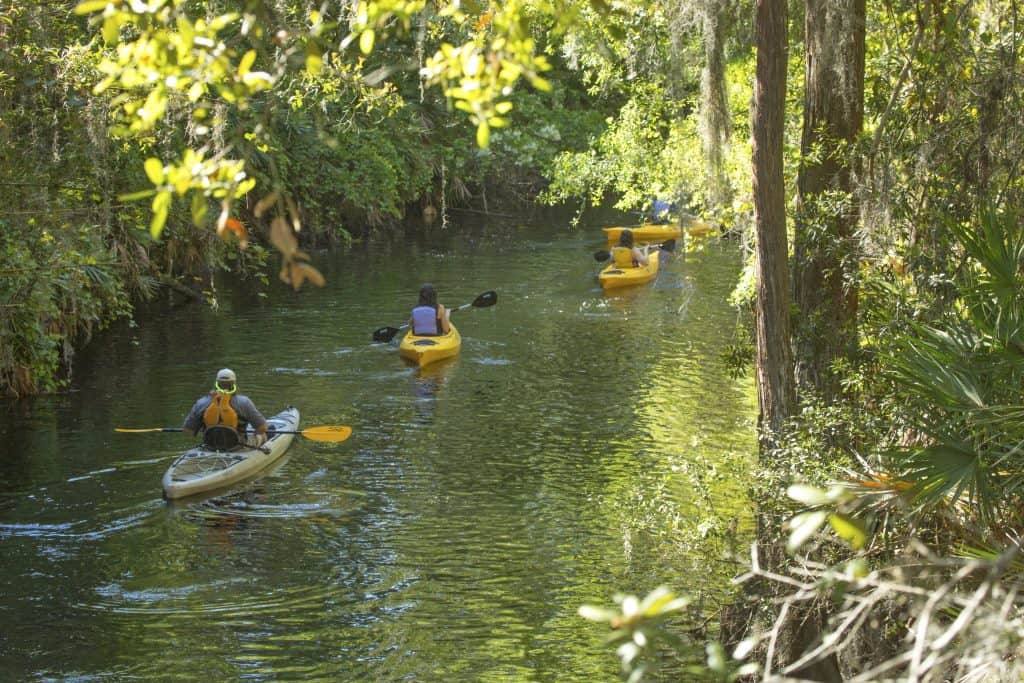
(625, 254)
(429, 317)
(224, 412)
(660, 210)
(623, 257)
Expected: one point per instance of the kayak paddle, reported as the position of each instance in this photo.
(604, 254)
(386, 334)
(332, 433)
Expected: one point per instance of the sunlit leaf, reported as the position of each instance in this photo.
(161, 205)
(111, 30)
(808, 495)
(154, 170)
(804, 526)
(599, 614)
(248, 59)
(366, 41)
(90, 6)
(132, 196)
(483, 135)
(850, 529)
(199, 209)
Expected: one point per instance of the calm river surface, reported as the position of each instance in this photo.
(476, 506)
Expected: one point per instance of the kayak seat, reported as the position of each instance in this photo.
(424, 342)
(220, 438)
(613, 272)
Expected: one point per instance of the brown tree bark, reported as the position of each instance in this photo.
(774, 360)
(825, 257)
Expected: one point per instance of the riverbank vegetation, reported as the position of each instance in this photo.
(866, 155)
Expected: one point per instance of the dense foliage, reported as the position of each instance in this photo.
(147, 144)
(275, 121)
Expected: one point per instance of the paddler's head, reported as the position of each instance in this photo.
(626, 238)
(428, 295)
(225, 382)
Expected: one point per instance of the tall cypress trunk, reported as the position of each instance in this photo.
(825, 254)
(715, 117)
(774, 361)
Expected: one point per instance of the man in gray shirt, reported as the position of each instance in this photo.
(224, 410)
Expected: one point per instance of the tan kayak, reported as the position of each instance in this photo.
(202, 469)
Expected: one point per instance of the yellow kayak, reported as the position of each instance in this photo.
(698, 228)
(426, 350)
(644, 233)
(613, 277)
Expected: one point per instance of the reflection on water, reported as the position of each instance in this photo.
(568, 452)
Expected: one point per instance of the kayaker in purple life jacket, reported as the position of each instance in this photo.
(625, 254)
(429, 318)
(660, 210)
(222, 412)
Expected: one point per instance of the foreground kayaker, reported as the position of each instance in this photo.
(429, 318)
(223, 416)
(626, 255)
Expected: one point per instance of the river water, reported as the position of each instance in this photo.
(580, 445)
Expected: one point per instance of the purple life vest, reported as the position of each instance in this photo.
(425, 322)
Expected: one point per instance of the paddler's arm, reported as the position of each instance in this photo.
(194, 421)
(442, 313)
(247, 411)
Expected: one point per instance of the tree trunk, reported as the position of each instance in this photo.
(774, 360)
(715, 117)
(825, 258)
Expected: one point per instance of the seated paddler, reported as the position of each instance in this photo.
(223, 416)
(625, 254)
(429, 318)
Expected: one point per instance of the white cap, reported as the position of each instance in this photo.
(225, 375)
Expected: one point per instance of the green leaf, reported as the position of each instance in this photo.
(111, 30)
(483, 135)
(850, 529)
(155, 170)
(366, 41)
(314, 62)
(161, 204)
(199, 209)
(248, 59)
(90, 6)
(132, 196)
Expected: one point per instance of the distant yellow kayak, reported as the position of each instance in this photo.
(698, 228)
(614, 277)
(644, 233)
(424, 350)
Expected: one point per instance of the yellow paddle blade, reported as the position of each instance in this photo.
(334, 433)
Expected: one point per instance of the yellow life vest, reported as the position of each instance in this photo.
(623, 257)
(220, 412)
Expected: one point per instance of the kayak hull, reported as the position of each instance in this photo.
(614, 277)
(424, 350)
(644, 234)
(201, 469)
